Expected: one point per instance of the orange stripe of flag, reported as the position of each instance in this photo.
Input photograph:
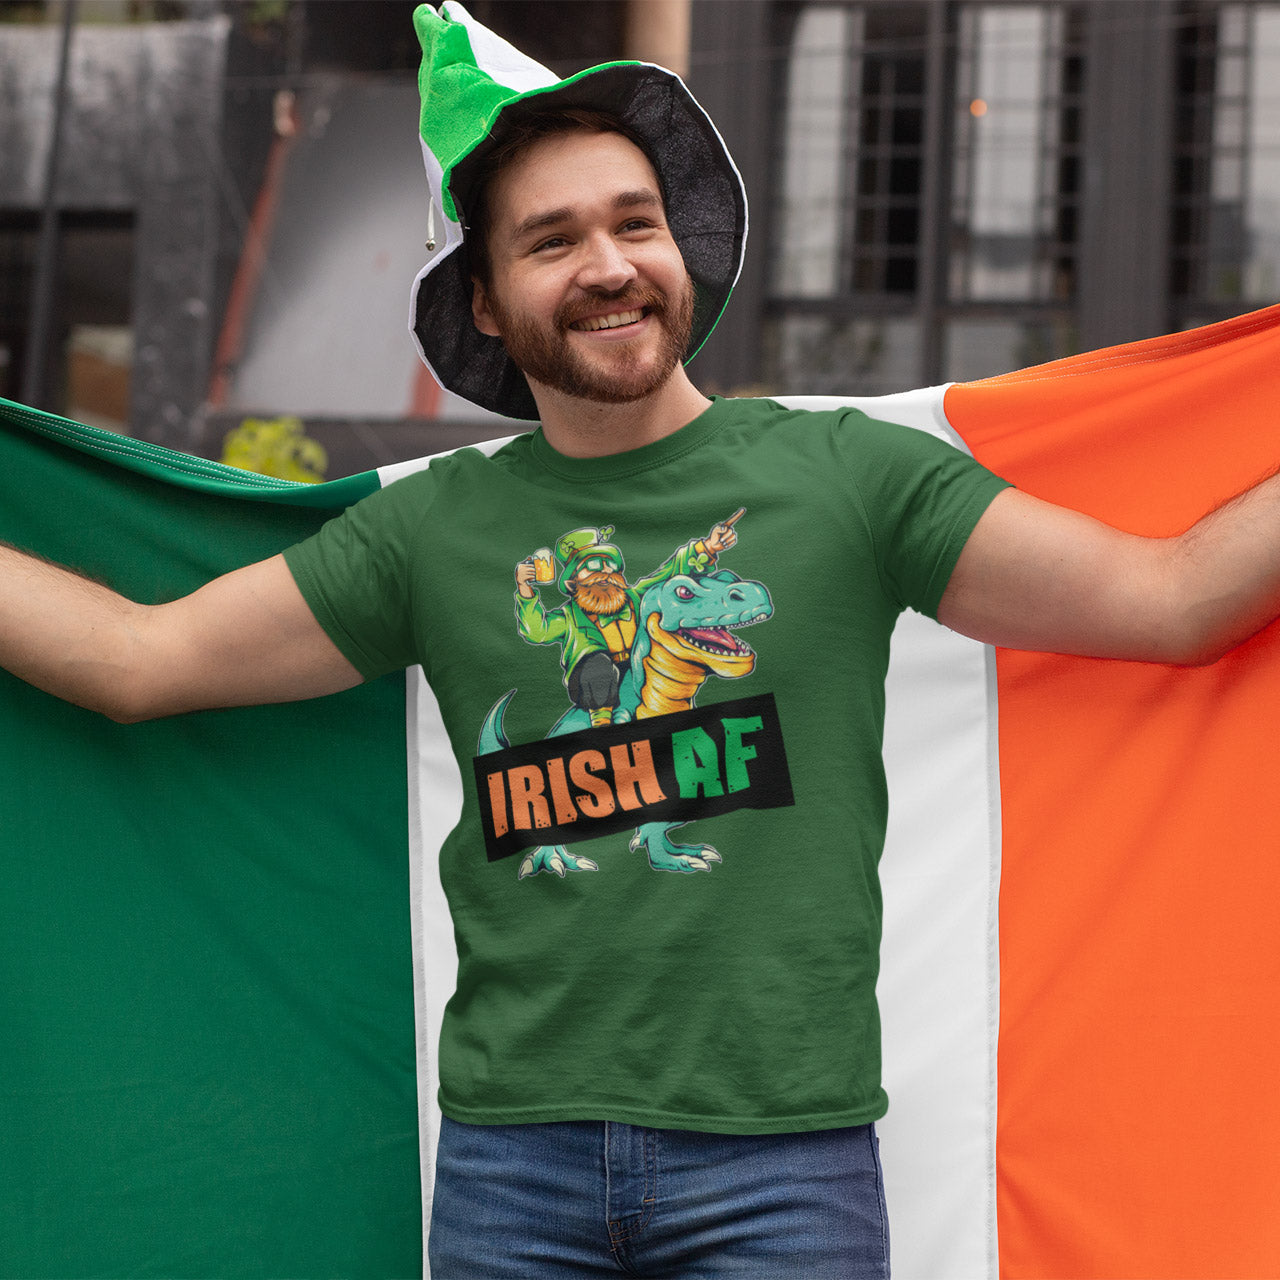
(1138, 1127)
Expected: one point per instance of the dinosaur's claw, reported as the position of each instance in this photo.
(661, 861)
(665, 855)
(555, 859)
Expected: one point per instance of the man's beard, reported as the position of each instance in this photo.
(546, 356)
(603, 593)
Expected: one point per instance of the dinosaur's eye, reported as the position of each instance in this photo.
(683, 593)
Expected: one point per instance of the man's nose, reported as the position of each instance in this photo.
(605, 265)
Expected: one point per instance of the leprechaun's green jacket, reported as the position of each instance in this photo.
(571, 625)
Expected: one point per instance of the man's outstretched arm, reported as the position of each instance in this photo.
(247, 637)
(1037, 576)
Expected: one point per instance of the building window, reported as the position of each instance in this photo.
(852, 155)
(1017, 166)
(810, 193)
(1226, 164)
(886, 194)
(1016, 187)
(847, 210)
(925, 218)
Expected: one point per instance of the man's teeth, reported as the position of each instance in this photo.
(609, 322)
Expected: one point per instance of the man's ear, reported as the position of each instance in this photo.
(480, 312)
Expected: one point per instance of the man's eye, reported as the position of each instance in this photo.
(551, 242)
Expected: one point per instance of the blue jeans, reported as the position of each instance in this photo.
(590, 1198)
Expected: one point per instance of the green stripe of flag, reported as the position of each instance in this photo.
(182, 469)
(206, 996)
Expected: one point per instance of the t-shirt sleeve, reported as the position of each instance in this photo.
(921, 498)
(357, 576)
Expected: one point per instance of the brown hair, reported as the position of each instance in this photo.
(521, 132)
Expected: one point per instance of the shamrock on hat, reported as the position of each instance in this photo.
(575, 548)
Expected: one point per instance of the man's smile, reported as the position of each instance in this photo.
(628, 312)
(615, 320)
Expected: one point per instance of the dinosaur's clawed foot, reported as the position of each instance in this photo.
(554, 858)
(665, 855)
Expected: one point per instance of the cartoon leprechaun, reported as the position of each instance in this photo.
(596, 626)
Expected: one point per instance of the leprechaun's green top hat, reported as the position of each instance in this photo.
(473, 83)
(583, 544)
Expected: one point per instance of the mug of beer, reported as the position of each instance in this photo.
(544, 566)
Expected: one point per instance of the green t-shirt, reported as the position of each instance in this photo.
(736, 999)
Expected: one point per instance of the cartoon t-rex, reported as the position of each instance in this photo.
(685, 634)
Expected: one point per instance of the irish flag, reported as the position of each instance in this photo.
(224, 953)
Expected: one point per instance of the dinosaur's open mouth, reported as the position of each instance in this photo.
(713, 640)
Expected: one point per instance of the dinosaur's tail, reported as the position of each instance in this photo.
(492, 735)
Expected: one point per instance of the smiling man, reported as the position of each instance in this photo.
(601, 264)
(582, 282)
(662, 1057)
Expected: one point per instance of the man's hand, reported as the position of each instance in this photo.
(247, 637)
(722, 537)
(1037, 576)
(526, 573)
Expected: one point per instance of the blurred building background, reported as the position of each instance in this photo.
(940, 189)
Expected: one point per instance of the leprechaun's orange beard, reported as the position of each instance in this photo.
(603, 593)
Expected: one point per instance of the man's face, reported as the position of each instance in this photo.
(587, 289)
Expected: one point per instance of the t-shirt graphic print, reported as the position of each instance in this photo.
(633, 750)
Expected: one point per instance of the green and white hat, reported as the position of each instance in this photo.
(473, 83)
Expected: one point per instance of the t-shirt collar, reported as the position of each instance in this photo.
(615, 465)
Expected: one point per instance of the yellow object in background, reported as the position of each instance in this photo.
(275, 447)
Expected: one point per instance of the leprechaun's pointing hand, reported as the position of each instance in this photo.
(723, 536)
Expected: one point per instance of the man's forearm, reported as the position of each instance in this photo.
(66, 634)
(1226, 571)
(1038, 576)
(244, 638)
